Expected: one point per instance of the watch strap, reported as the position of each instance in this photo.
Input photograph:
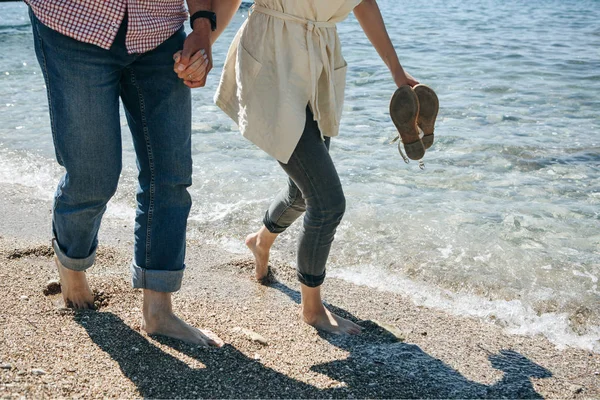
(211, 16)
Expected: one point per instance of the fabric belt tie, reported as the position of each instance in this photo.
(312, 28)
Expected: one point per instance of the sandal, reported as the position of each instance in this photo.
(404, 110)
(428, 110)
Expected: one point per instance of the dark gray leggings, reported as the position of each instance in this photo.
(314, 187)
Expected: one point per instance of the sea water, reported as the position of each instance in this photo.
(503, 223)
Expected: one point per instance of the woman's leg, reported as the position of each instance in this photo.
(284, 210)
(314, 176)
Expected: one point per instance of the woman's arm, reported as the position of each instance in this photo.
(369, 16)
(225, 10)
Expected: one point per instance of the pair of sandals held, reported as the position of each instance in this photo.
(413, 111)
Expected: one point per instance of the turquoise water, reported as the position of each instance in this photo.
(503, 222)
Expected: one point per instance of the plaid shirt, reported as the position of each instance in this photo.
(149, 22)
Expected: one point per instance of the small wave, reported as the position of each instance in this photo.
(515, 316)
(30, 171)
(497, 89)
(527, 158)
(218, 211)
(15, 27)
(41, 176)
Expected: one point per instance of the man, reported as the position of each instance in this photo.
(91, 54)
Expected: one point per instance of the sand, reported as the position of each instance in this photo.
(49, 351)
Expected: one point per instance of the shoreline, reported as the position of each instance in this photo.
(48, 351)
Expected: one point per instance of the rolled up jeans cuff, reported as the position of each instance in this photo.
(272, 226)
(155, 279)
(74, 264)
(311, 280)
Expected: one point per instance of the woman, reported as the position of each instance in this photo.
(283, 83)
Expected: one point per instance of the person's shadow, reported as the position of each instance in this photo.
(226, 372)
(378, 366)
(381, 366)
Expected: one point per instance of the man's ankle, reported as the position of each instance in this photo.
(156, 304)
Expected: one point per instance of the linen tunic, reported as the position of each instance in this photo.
(286, 55)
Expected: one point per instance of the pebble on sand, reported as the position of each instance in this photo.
(37, 371)
(5, 366)
(255, 337)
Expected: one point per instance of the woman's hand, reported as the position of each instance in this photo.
(402, 78)
(370, 19)
(194, 72)
(194, 62)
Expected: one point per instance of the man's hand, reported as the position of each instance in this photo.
(194, 62)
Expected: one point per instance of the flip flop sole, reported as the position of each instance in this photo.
(404, 109)
(428, 111)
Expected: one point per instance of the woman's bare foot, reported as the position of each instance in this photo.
(327, 321)
(75, 289)
(159, 319)
(260, 244)
(315, 314)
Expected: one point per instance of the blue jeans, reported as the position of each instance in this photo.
(314, 189)
(84, 84)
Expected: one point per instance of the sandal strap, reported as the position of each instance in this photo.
(404, 157)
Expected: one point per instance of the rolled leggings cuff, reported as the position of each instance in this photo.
(311, 280)
(157, 280)
(272, 226)
(74, 264)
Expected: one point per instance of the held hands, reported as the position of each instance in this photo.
(194, 62)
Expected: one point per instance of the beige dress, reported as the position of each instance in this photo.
(286, 55)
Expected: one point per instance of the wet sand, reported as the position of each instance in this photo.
(49, 351)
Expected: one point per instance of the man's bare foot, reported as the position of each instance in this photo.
(159, 319)
(327, 321)
(260, 244)
(75, 289)
(314, 313)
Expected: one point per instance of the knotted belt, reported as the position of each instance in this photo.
(313, 28)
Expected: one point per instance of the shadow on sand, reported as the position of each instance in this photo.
(378, 366)
(227, 372)
(392, 369)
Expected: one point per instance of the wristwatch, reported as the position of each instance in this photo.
(211, 16)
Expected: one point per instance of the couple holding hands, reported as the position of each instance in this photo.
(282, 83)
